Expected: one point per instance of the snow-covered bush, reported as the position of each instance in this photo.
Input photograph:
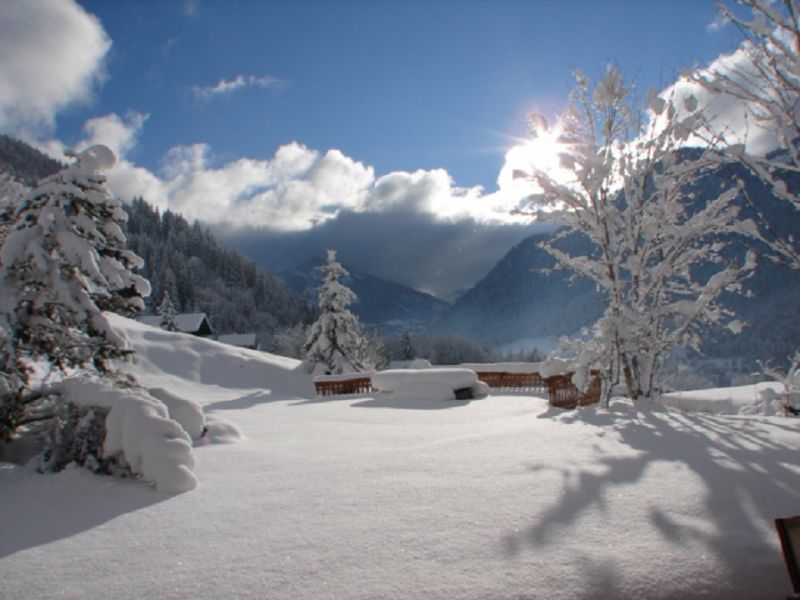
(785, 402)
(336, 343)
(139, 433)
(657, 255)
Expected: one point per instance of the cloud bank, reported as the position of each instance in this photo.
(53, 54)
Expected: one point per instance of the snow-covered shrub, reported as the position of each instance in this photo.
(785, 402)
(77, 434)
(139, 431)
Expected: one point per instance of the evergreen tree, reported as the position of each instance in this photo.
(167, 312)
(407, 351)
(63, 264)
(335, 342)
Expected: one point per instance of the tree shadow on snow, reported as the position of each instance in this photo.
(40, 509)
(409, 404)
(243, 402)
(747, 480)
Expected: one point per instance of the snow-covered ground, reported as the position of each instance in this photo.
(375, 497)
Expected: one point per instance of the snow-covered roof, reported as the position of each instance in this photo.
(186, 322)
(244, 340)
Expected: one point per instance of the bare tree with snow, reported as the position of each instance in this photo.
(63, 264)
(763, 77)
(335, 343)
(629, 193)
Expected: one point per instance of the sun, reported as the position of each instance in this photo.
(540, 153)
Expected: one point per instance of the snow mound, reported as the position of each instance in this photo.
(429, 384)
(139, 426)
(205, 370)
(425, 390)
(220, 431)
(395, 379)
(187, 413)
(722, 401)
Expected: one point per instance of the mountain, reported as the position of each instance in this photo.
(25, 163)
(384, 305)
(521, 299)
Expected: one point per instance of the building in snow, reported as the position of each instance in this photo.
(193, 323)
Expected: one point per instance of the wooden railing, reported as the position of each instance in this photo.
(561, 392)
(512, 381)
(356, 385)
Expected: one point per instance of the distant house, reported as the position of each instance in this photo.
(193, 323)
(242, 340)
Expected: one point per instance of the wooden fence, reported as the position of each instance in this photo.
(561, 392)
(356, 385)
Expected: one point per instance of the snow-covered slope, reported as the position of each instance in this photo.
(207, 371)
(378, 498)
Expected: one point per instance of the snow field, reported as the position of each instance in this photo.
(383, 498)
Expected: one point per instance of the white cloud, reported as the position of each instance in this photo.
(296, 189)
(191, 8)
(226, 87)
(719, 22)
(729, 117)
(53, 53)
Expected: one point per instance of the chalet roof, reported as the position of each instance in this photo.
(244, 340)
(186, 322)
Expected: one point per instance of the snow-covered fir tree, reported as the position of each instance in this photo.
(62, 265)
(335, 342)
(657, 256)
(168, 314)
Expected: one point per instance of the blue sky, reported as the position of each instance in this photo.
(397, 85)
(289, 126)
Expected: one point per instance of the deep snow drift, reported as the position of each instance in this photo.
(380, 497)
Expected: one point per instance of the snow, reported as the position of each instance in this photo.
(721, 401)
(393, 380)
(186, 322)
(504, 367)
(432, 384)
(244, 340)
(376, 497)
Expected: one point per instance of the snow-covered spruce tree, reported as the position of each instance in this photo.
(657, 255)
(63, 264)
(763, 76)
(335, 342)
(168, 314)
